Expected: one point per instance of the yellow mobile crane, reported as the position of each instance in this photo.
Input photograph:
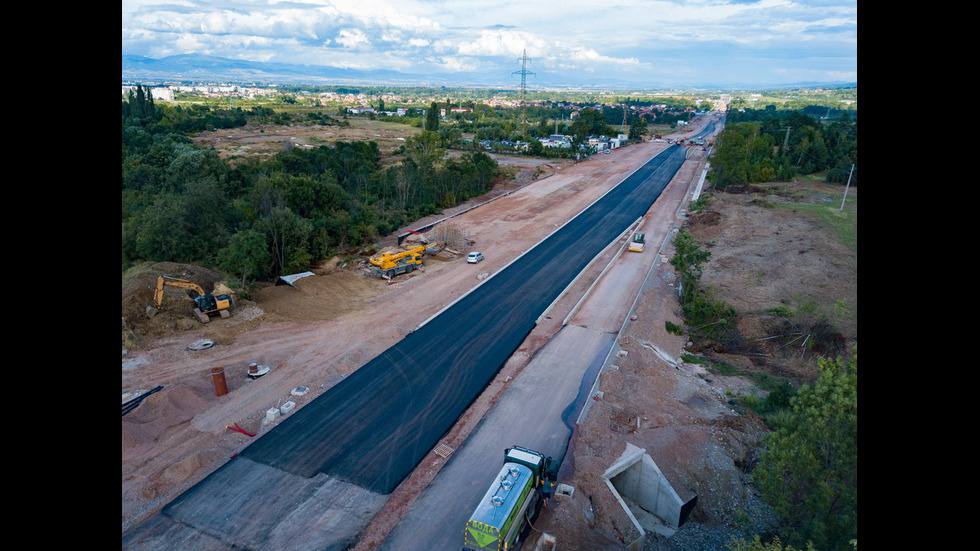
(205, 304)
(390, 264)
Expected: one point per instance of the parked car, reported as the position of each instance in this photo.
(474, 257)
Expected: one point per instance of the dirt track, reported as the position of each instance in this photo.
(318, 332)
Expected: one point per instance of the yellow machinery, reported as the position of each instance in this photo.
(636, 245)
(390, 264)
(205, 304)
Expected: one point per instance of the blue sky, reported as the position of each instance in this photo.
(666, 43)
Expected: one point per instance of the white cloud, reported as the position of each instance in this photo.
(352, 38)
(498, 42)
(608, 38)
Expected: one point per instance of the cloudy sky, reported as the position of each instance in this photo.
(663, 42)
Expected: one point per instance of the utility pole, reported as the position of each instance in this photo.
(846, 187)
(524, 74)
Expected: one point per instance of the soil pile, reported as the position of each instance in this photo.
(176, 312)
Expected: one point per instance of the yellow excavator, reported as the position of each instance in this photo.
(390, 264)
(205, 304)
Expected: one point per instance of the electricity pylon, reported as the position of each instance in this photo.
(524, 72)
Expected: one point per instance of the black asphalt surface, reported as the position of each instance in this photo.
(374, 427)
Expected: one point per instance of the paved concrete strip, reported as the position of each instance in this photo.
(254, 506)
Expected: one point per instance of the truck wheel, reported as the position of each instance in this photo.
(390, 274)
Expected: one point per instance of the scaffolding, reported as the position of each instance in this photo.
(449, 235)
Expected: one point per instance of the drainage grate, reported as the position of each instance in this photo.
(444, 451)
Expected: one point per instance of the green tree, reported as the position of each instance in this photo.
(432, 118)
(193, 163)
(535, 148)
(589, 123)
(449, 137)
(638, 129)
(139, 105)
(423, 150)
(187, 227)
(732, 158)
(288, 234)
(687, 260)
(247, 254)
(808, 471)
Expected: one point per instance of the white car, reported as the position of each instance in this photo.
(474, 257)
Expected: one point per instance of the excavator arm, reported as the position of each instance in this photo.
(164, 281)
(205, 304)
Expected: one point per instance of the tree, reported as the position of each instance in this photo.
(423, 149)
(808, 471)
(288, 235)
(140, 105)
(247, 254)
(187, 227)
(432, 118)
(589, 123)
(535, 148)
(638, 129)
(687, 260)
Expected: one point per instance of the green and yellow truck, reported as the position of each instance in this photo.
(513, 499)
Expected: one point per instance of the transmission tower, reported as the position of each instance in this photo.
(524, 72)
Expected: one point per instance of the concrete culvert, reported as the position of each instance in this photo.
(646, 495)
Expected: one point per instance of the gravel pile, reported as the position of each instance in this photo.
(696, 536)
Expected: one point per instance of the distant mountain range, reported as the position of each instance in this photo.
(198, 68)
(203, 68)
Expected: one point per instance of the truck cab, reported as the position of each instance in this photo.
(542, 467)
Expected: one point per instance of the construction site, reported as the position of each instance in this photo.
(658, 454)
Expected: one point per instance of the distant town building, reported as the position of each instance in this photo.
(159, 93)
(361, 110)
